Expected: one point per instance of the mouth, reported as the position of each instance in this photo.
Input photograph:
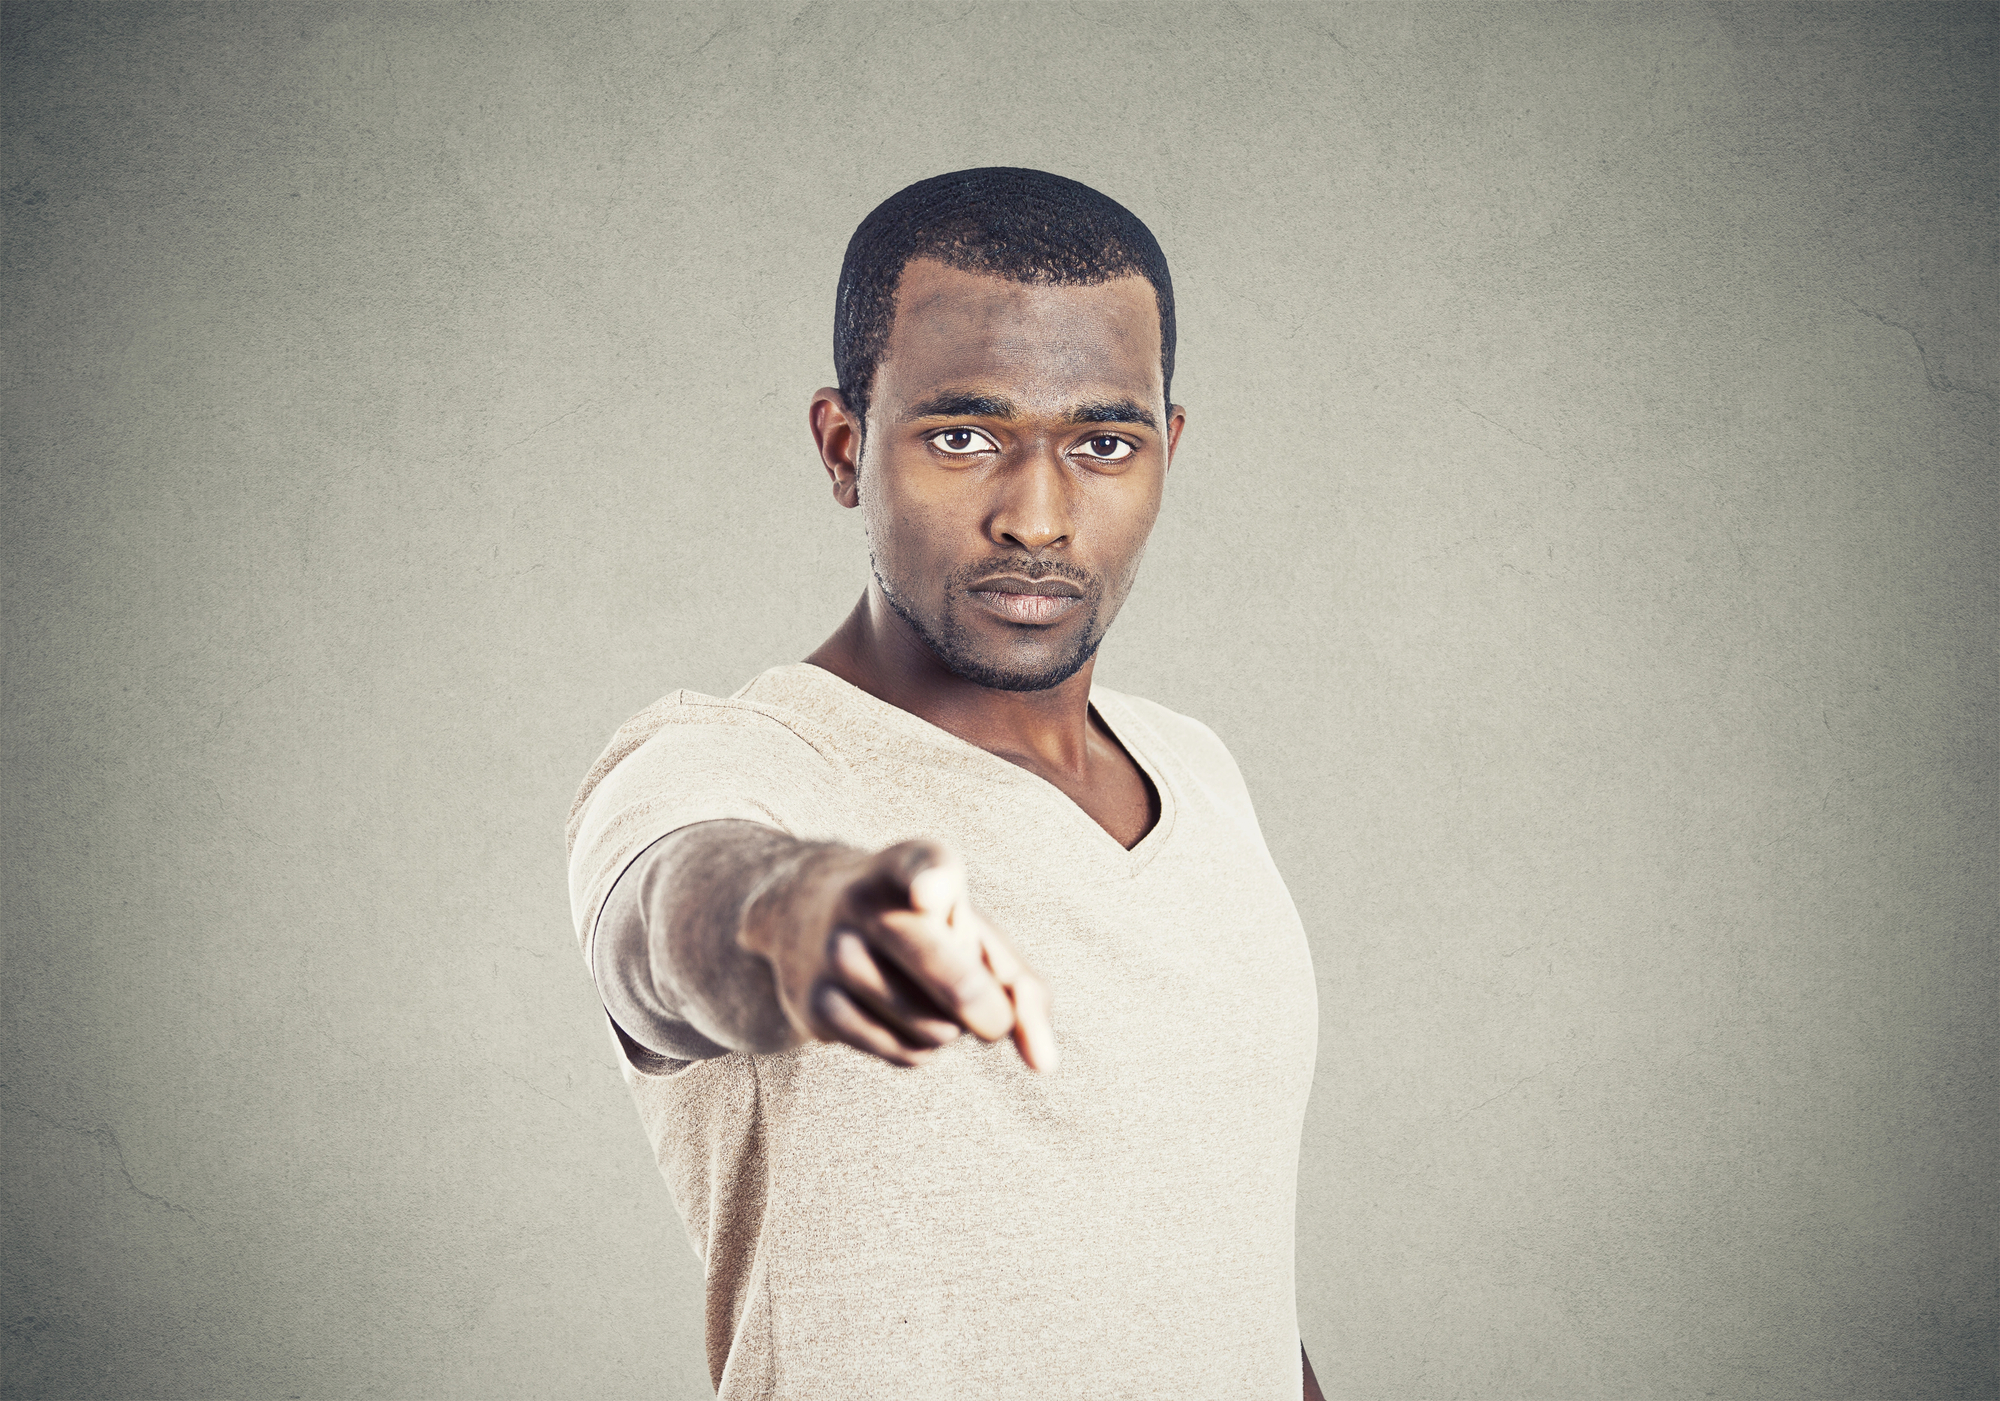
(1031, 601)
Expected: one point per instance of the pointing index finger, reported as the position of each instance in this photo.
(949, 965)
(1034, 1029)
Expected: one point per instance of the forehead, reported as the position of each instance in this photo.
(1040, 343)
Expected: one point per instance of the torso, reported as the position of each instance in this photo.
(1121, 1228)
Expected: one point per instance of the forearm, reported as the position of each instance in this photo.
(668, 953)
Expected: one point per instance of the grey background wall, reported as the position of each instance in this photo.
(1584, 535)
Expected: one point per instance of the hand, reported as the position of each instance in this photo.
(886, 953)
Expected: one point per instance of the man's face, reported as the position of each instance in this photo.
(1017, 445)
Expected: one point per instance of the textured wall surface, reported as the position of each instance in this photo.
(1584, 535)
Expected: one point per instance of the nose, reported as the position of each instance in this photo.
(1033, 509)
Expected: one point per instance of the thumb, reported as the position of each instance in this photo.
(935, 890)
(922, 876)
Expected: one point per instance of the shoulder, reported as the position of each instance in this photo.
(1187, 737)
(1182, 732)
(685, 733)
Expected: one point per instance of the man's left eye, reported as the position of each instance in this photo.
(1106, 448)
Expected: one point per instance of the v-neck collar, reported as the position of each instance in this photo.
(1116, 717)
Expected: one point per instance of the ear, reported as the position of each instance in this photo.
(838, 435)
(1176, 420)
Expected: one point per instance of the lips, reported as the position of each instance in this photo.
(1028, 601)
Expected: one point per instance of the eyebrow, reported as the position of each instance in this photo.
(952, 404)
(955, 404)
(1112, 411)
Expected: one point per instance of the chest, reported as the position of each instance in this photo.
(1198, 963)
(1183, 954)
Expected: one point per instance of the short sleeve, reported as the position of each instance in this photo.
(690, 759)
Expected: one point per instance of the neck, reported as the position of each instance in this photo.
(876, 651)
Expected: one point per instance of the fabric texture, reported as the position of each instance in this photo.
(1121, 1227)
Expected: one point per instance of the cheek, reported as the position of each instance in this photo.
(907, 537)
(1123, 524)
(880, 506)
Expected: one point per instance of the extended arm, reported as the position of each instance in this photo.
(667, 957)
(731, 936)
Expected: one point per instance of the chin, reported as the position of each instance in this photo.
(1002, 663)
(991, 654)
(1003, 658)
(1010, 675)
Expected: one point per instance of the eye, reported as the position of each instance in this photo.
(962, 442)
(1106, 447)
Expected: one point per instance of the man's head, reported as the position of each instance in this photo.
(1006, 338)
(1022, 225)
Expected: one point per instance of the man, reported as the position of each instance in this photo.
(796, 900)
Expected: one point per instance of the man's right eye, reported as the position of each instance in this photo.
(963, 441)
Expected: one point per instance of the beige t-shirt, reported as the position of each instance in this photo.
(1121, 1227)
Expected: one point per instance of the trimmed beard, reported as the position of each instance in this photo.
(951, 642)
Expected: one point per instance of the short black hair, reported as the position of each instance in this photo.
(1023, 225)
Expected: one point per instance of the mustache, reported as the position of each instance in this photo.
(1033, 570)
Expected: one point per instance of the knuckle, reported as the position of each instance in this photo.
(850, 956)
(935, 951)
(835, 934)
(907, 858)
(828, 1003)
(972, 986)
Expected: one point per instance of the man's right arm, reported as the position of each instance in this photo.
(732, 936)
